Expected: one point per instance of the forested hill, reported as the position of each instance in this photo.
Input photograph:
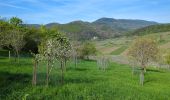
(151, 29)
(101, 28)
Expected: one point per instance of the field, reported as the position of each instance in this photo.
(119, 46)
(84, 50)
(86, 82)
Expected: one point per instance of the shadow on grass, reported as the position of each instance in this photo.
(9, 78)
(79, 80)
(77, 69)
(2, 57)
(154, 70)
(12, 63)
(10, 82)
(55, 79)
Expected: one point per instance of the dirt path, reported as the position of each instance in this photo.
(115, 58)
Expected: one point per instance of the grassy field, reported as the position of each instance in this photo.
(86, 82)
(118, 46)
(119, 50)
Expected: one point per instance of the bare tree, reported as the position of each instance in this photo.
(167, 59)
(74, 53)
(133, 64)
(143, 50)
(103, 62)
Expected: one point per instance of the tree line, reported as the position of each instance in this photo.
(46, 45)
(150, 29)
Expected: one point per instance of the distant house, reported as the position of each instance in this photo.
(95, 38)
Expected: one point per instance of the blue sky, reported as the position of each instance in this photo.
(64, 11)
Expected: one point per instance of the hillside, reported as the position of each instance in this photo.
(119, 46)
(76, 30)
(151, 29)
(103, 28)
(123, 25)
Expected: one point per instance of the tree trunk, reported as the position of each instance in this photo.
(9, 55)
(145, 69)
(133, 70)
(142, 77)
(17, 52)
(65, 64)
(47, 76)
(62, 73)
(35, 73)
(15, 56)
(75, 61)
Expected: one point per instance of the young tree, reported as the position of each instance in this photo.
(167, 59)
(55, 47)
(133, 64)
(74, 53)
(62, 52)
(103, 62)
(88, 49)
(46, 50)
(36, 60)
(142, 51)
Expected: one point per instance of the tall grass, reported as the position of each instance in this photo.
(85, 82)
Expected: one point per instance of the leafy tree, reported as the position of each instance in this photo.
(4, 28)
(46, 51)
(12, 35)
(143, 50)
(62, 51)
(17, 42)
(55, 47)
(33, 38)
(15, 21)
(88, 49)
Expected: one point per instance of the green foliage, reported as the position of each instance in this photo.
(76, 30)
(151, 29)
(119, 50)
(88, 49)
(144, 50)
(15, 21)
(102, 28)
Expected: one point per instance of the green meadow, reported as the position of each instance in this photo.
(85, 82)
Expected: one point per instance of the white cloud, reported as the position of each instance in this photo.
(13, 6)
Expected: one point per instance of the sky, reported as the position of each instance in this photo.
(64, 11)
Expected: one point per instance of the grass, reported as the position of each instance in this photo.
(123, 42)
(85, 82)
(119, 50)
